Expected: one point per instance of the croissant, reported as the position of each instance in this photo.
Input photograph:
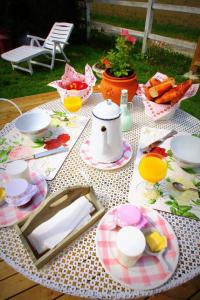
(161, 88)
(175, 94)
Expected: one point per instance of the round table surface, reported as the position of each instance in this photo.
(77, 270)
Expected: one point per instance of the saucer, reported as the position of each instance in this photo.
(19, 192)
(148, 272)
(88, 159)
(10, 215)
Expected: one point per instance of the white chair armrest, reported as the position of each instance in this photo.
(35, 37)
(35, 40)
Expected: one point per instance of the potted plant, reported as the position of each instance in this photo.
(120, 74)
(101, 66)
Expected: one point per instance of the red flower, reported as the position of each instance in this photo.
(160, 151)
(106, 62)
(63, 138)
(131, 39)
(124, 32)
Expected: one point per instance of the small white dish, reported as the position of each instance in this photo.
(186, 150)
(34, 123)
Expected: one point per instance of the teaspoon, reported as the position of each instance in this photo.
(181, 188)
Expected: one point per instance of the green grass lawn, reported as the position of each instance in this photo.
(169, 30)
(16, 83)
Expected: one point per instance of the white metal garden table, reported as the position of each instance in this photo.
(77, 270)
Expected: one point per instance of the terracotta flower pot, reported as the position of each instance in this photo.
(111, 86)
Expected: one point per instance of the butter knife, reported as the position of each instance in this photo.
(158, 142)
(43, 154)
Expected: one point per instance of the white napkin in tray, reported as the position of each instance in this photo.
(50, 233)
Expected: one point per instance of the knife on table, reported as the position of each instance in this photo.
(158, 142)
(43, 154)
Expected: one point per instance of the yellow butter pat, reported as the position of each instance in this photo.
(156, 241)
(2, 194)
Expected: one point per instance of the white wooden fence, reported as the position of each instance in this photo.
(150, 6)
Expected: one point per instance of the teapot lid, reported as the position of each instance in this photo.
(106, 110)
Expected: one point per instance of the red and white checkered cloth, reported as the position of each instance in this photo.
(10, 215)
(86, 156)
(148, 272)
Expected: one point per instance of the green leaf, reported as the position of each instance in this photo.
(173, 210)
(39, 141)
(196, 202)
(196, 134)
(168, 179)
(38, 145)
(175, 204)
(169, 166)
(8, 149)
(183, 208)
(3, 156)
(152, 201)
(197, 184)
(190, 215)
(169, 202)
(16, 143)
(169, 152)
(189, 170)
(2, 141)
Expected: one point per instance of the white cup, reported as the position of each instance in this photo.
(130, 244)
(18, 169)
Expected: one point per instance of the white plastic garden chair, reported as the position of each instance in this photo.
(54, 43)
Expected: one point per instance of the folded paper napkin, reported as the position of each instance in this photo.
(48, 234)
(71, 75)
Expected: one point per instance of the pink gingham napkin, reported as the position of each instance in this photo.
(148, 273)
(162, 111)
(9, 215)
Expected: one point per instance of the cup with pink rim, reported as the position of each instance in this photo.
(19, 192)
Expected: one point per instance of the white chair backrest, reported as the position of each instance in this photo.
(60, 32)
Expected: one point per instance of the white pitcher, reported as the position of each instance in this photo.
(106, 137)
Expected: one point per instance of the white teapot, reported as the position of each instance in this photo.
(106, 144)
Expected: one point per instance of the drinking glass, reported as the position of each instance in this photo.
(153, 169)
(72, 103)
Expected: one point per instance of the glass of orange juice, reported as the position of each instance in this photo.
(72, 103)
(153, 169)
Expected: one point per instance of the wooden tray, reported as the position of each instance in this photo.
(47, 210)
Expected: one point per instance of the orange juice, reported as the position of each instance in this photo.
(72, 103)
(152, 169)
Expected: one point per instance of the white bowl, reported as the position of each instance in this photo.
(34, 124)
(186, 150)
